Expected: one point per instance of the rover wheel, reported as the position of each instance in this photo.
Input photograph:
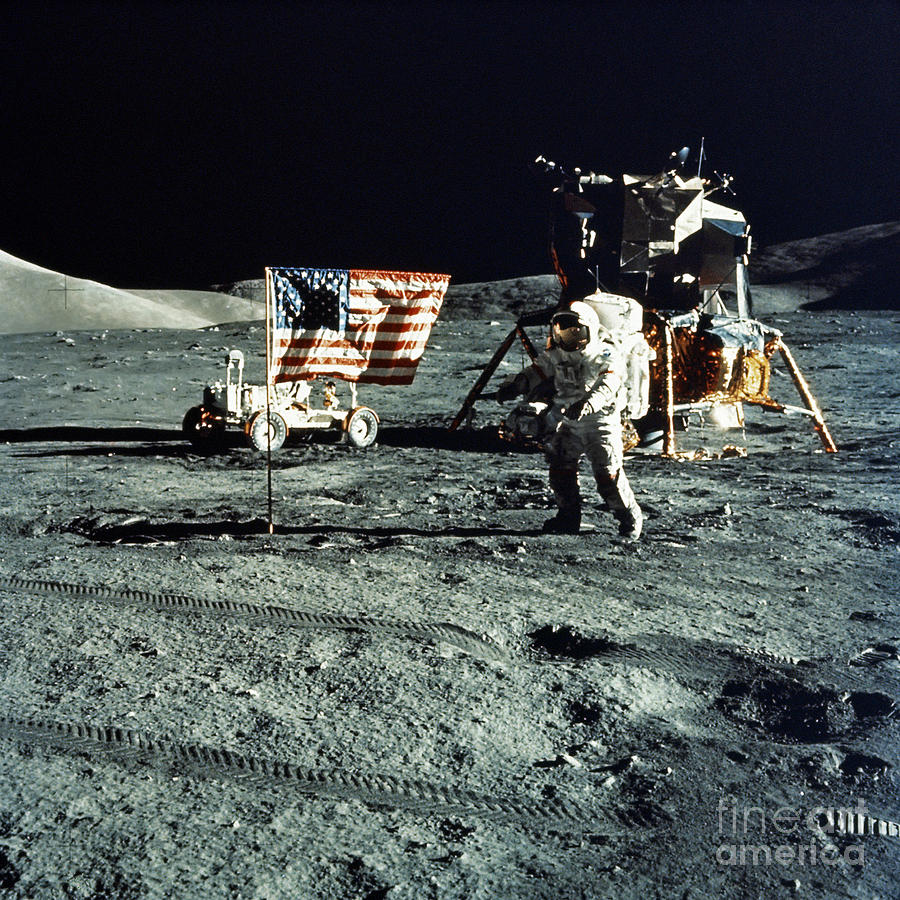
(361, 427)
(265, 428)
(203, 431)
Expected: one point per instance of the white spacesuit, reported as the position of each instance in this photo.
(588, 370)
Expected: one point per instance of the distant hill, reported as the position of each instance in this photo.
(855, 269)
(36, 299)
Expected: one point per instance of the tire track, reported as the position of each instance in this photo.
(474, 644)
(682, 657)
(684, 662)
(374, 789)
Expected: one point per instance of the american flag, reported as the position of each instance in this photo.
(356, 324)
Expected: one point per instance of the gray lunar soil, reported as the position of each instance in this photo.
(407, 690)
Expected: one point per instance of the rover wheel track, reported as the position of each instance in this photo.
(376, 789)
(462, 638)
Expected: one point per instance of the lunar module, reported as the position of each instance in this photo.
(671, 264)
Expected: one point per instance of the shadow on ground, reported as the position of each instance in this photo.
(434, 437)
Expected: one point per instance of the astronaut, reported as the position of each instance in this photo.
(587, 368)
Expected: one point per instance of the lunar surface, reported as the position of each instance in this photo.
(405, 690)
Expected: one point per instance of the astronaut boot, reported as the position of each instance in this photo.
(618, 496)
(564, 483)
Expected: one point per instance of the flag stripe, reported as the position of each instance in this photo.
(384, 362)
(367, 378)
(374, 340)
(395, 314)
(382, 327)
(384, 318)
(316, 352)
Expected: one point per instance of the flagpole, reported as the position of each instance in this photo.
(269, 349)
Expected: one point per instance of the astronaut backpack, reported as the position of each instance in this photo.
(621, 319)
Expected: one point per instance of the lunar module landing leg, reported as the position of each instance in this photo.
(682, 389)
(679, 372)
(537, 318)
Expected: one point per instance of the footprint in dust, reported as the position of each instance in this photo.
(865, 615)
(877, 653)
(788, 711)
(584, 712)
(871, 528)
(854, 765)
(872, 705)
(565, 641)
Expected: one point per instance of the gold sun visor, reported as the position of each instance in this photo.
(569, 332)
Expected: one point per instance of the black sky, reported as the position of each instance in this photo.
(164, 144)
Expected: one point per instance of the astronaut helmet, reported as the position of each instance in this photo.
(572, 329)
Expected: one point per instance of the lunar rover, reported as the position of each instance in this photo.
(267, 421)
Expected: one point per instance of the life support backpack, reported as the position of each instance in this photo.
(621, 319)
